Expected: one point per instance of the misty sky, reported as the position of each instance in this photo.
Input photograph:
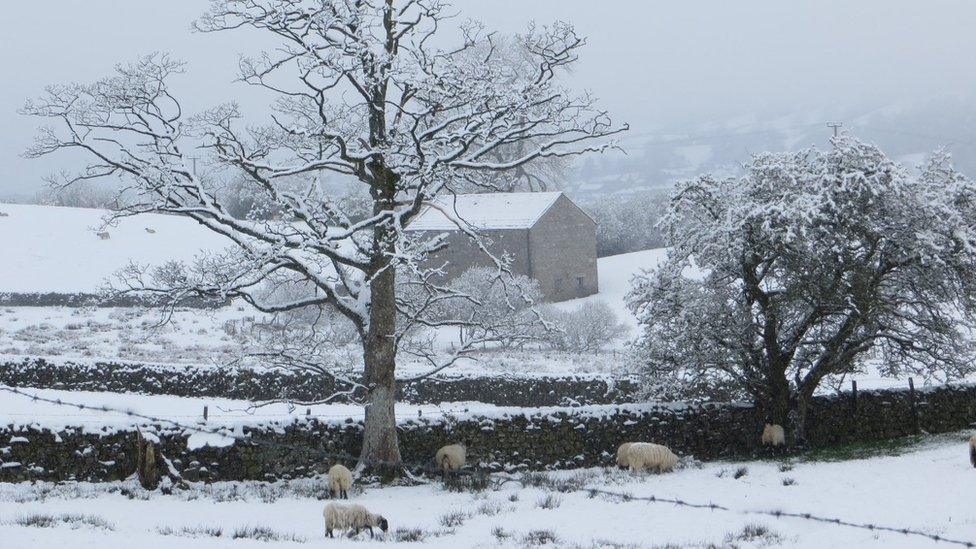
(654, 64)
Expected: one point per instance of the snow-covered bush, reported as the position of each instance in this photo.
(488, 303)
(797, 271)
(590, 327)
(628, 222)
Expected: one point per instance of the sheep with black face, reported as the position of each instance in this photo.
(353, 518)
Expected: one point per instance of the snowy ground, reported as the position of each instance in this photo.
(216, 337)
(53, 249)
(929, 489)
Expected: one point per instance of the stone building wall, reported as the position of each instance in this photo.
(562, 252)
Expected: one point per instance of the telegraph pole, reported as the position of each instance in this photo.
(836, 126)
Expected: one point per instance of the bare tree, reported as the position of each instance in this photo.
(361, 93)
(808, 266)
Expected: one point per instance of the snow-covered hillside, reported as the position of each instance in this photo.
(615, 273)
(53, 249)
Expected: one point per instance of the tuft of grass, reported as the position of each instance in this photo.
(789, 481)
(758, 534)
(500, 534)
(785, 467)
(540, 537)
(514, 497)
(465, 482)
(489, 508)
(740, 472)
(191, 531)
(549, 501)
(40, 520)
(454, 519)
(263, 533)
(417, 535)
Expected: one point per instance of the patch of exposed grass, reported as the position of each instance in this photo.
(191, 531)
(454, 519)
(41, 520)
(865, 450)
(540, 537)
(418, 535)
(758, 534)
(549, 501)
(263, 533)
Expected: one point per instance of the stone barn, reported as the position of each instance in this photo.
(547, 236)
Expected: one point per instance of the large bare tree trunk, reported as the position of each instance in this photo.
(381, 448)
(777, 407)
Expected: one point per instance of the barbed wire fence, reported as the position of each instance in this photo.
(500, 478)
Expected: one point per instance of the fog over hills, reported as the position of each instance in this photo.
(655, 160)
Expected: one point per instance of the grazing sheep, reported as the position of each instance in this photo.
(451, 457)
(773, 435)
(353, 517)
(646, 455)
(622, 455)
(340, 480)
(972, 450)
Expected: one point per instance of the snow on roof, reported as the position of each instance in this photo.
(485, 211)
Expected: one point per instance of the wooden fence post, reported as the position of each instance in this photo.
(206, 413)
(911, 395)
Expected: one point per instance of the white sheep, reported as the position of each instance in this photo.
(972, 450)
(773, 435)
(354, 518)
(622, 455)
(451, 457)
(647, 455)
(340, 480)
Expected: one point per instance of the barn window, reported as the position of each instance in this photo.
(579, 282)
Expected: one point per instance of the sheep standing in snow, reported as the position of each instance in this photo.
(773, 435)
(340, 480)
(354, 518)
(622, 455)
(647, 455)
(451, 457)
(972, 450)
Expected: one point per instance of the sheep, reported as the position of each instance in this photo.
(340, 480)
(450, 457)
(647, 455)
(353, 517)
(622, 455)
(972, 450)
(773, 435)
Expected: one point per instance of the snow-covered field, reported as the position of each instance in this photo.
(928, 489)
